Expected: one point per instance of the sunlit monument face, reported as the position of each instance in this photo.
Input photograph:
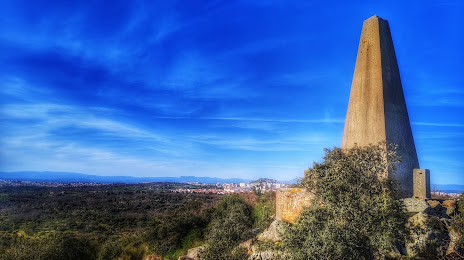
(377, 108)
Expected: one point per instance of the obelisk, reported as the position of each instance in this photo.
(377, 108)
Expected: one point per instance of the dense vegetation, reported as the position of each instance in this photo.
(457, 224)
(230, 225)
(124, 221)
(355, 214)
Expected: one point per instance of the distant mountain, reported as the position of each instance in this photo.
(264, 180)
(79, 177)
(450, 188)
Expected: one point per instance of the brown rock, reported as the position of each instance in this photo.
(449, 203)
(450, 206)
(433, 203)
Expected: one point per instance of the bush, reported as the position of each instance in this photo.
(52, 246)
(180, 230)
(354, 213)
(111, 249)
(230, 226)
(457, 222)
(264, 210)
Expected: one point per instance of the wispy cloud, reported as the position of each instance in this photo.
(438, 124)
(325, 120)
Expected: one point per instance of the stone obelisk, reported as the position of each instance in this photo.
(377, 109)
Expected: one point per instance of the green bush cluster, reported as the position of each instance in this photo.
(230, 225)
(355, 213)
(264, 210)
(180, 230)
(51, 246)
(457, 222)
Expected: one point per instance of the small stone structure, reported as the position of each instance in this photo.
(290, 203)
(421, 179)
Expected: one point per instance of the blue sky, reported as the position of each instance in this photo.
(214, 88)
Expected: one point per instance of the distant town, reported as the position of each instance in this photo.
(261, 185)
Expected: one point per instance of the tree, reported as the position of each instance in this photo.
(354, 213)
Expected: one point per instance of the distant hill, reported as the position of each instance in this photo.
(79, 177)
(264, 180)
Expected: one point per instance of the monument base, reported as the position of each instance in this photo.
(290, 203)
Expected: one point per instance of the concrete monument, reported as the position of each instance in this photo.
(377, 108)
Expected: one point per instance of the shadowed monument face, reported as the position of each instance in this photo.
(377, 109)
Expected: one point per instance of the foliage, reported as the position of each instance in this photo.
(264, 210)
(230, 226)
(116, 221)
(354, 213)
(111, 249)
(52, 246)
(457, 222)
(180, 230)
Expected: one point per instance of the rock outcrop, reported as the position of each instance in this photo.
(268, 255)
(192, 253)
(273, 233)
(430, 233)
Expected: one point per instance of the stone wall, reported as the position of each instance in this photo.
(290, 203)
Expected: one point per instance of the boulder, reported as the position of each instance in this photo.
(268, 255)
(247, 244)
(434, 203)
(414, 205)
(428, 236)
(453, 248)
(450, 206)
(192, 253)
(273, 233)
(449, 203)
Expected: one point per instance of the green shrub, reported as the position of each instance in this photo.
(264, 210)
(457, 222)
(354, 213)
(50, 247)
(230, 225)
(179, 230)
(111, 249)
